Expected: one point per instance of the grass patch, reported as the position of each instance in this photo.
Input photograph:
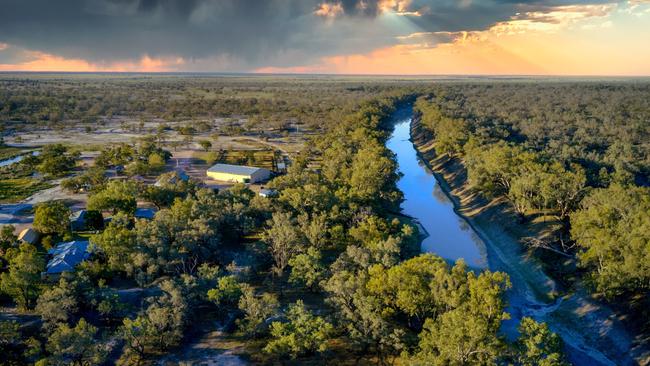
(13, 190)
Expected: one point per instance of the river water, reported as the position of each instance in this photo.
(449, 236)
(16, 159)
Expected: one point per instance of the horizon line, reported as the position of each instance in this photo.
(249, 73)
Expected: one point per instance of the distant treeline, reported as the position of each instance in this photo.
(272, 102)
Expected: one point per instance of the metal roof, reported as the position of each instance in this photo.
(233, 169)
(29, 235)
(145, 213)
(66, 256)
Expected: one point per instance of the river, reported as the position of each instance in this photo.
(16, 159)
(451, 237)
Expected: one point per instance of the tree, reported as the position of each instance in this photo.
(450, 134)
(537, 345)
(466, 331)
(92, 179)
(283, 240)
(9, 333)
(117, 242)
(75, 346)
(156, 162)
(362, 315)
(52, 218)
(157, 328)
(307, 269)
(56, 161)
(257, 309)
(205, 144)
(117, 196)
(492, 169)
(227, 292)
(7, 238)
(304, 333)
(22, 280)
(179, 239)
(612, 232)
(421, 287)
(57, 304)
(563, 189)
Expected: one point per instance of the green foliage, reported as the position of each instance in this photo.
(117, 196)
(257, 309)
(537, 345)
(307, 268)
(612, 230)
(451, 134)
(91, 180)
(57, 304)
(114, 155)
(227, 292)
(156, 162)
(467, 333)
(157, 328)
(9, 335)
(303, 333)
(117, 242)
(7, 238)
(205, 144)
(55, 160)
(52, 217)
(283, 239)
(171, 187)
(23, 277)
(75, 346)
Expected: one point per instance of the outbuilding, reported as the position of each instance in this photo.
(29, 236)
(238, 173)
(265, 192)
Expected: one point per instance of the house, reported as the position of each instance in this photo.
(172, 178)
(83, 220)
(65, 257)
(238, 173)
(145, 213)
(78, 220)
(265, 192)
(29, 236)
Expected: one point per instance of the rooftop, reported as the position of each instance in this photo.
(66, 256)
(233, 169)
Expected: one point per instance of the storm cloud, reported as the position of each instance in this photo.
(237, 34)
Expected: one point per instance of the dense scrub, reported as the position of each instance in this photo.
(270, 102)
(578, 151)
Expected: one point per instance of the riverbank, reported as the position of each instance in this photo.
(592, 333)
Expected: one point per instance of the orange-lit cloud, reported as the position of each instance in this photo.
(329, 10)
(40, 61)
(564, 40)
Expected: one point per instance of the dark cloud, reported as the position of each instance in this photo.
(243, 34)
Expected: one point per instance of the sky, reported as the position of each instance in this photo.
(389, 37)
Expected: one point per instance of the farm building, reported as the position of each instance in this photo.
(83, 220)
(65, 257)
(238, 173)
(29, 236)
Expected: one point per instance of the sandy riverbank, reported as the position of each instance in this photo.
(592, 333)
